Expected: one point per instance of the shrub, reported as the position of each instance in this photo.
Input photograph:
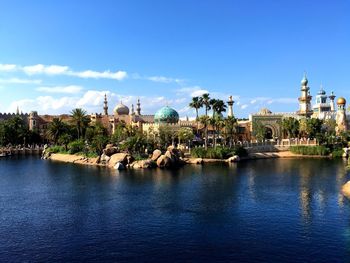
(240, 151)
(198, 152)
(76, 146)
(56, 149)
(218, 152)
(310, 150)
(337, 153)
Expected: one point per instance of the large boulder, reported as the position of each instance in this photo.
(164, 162)
(156, 154)
(123, 158)
(177, 152)
(119, 166)
(143, 164)
(346, 189)
(109, 151)
(173, 158)
(233, 159)
(104, 159)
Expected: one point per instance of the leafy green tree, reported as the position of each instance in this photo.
(120, 133)
(185, 134)
(303, 128)
(258, 130)
(314, 127)
(80, 120)
(97, 137)
(166, 136)
(290, 126)
(55, 129)
(14, 131)
(64, 139)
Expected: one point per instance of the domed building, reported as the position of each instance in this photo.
(166, 115)
(342, 124)
(121, 109)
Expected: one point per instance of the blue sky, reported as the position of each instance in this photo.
(58, 55)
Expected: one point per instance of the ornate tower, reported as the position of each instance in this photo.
(341, 116)
(138, 109)
(230, 106)
(331, 98)
(33, 120)
(105, 107)
(305, 99)
(132, 109)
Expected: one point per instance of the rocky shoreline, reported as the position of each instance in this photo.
(170, 159)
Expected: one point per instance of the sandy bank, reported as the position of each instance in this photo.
(70, 158)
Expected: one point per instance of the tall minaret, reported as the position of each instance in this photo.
(341, 115)
(305, 99)
(17, 111)
(230, 107)
(132, 109)
(138, 109)
(105, 107)
(331, 98)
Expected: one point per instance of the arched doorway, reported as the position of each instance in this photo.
(268, 133)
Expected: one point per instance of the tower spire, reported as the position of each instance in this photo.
(305, 99)
(138, 108)
(105, 107)
(230, 106)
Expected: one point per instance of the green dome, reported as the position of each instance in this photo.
(166, 115)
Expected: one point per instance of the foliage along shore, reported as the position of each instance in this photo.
(172, 158)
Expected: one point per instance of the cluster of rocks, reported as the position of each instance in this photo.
(111, 157)
(45, 153)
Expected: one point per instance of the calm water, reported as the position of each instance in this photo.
(258, 211)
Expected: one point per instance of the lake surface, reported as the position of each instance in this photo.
(256, 211)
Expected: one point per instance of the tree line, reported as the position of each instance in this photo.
(226, 127)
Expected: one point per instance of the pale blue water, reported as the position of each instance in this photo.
(256, 211)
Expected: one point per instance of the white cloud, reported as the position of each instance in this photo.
(268, 100)
(163, 79)
(44, 105)
(7, 67)
(118, 75)
(244, 106)
(195, 91)
(20, 81)
(71, 89)
(64, 70)
(42, 69)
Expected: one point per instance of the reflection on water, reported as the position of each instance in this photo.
(257, 211)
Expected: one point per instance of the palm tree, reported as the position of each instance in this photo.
(219, 107)
(205, 100)
(231, 127)
(80, 120)
(55, 129)
(212, 105)
(204, 119)
(196, 104)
